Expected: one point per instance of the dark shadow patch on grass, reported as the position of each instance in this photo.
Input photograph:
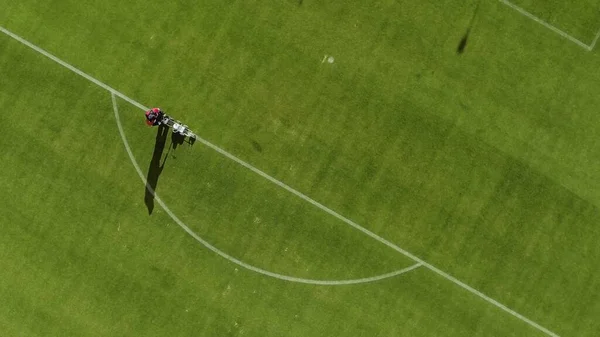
(462, 44)
(256, 145)
(177, 139)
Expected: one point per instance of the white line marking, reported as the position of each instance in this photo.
(595, 40)
(302, 196)
(547, 25)
(225, 255)
(71, 68)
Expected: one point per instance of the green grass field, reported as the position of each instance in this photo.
(484, 163)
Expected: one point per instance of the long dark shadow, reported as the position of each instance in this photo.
(155, 168)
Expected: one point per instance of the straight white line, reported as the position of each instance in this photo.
(595, 40)
(225, 255)
(71, 68)
(302, 196)
(547, 25)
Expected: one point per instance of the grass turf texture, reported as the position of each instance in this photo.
(484, 164)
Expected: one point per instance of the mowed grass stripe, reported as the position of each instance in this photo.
(147, 278)
(337, 215)
(341, 244)
(369, 260)
(516, 101)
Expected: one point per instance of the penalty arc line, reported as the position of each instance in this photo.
(304, 197)
(379, 238)
(164, 206)
(225, 255)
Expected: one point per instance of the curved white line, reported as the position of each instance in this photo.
(293, 191)
(225, 255)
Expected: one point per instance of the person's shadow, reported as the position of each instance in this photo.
(155, 168)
